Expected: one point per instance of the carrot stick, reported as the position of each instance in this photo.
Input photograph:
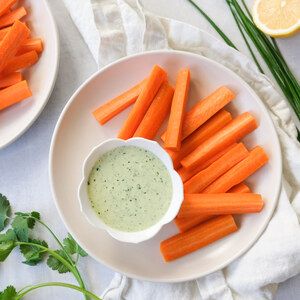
(5, 5)
(152, 85)
(220, 204)
(10, 79)
(11, 42)
(240, 188)
(31, 45)
(14, 94)
(186, 174)
(21, 62)
(3, 32)
(214, 124)
(197, 237)
(231, 133)
(184, 224)
(205, 109)
(12, 16)
(255, 160)
(207, 176)
(156, 113)
(111, 108)
(174, 129)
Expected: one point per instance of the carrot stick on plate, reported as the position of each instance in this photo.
(156, 113)
(5, 5)
(35, 44)
(21, 62)
(14, 94)
(111, 108)
(240, 188)
(10, 17)
(144, 100)
(220, 204)
(197, 237)
(186, 174)
(175, 123)
(207, 176)
(231, 133)
(3, 32)
(184, 224)
(210, 127)
(11, 42)
(204, 110)
(10, 79)
(241, 171)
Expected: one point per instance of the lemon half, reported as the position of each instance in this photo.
(277, 18)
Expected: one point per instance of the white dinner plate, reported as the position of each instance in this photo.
(16, 119)
(77, 132)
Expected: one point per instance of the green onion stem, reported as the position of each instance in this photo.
(214, 25)
(246, 41)
(56, 284)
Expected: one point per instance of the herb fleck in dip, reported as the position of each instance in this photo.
(129, 188)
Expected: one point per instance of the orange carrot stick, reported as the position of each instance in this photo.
(205, 109)
(10, 79)
(240, 188)
(174, 129)
(186, 174)
(152, 85)
(11, 42)
(197, 237)
(14, 94)
(220, 204)
(184, 224)
(21, 62)
(231, 133)
(156, 113)
(214, 124)
(255, 160)
(111, 108)
(3, 32)
(5, 5)
(12, 16)
(35, 44)
(207, 176)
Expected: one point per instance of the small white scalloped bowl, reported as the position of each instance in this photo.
(95, 220)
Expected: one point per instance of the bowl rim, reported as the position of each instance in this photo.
(162, 155)
(242, 82)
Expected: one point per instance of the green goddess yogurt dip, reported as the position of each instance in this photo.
(129, 188)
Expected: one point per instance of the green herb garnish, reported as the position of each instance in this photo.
(36, 250)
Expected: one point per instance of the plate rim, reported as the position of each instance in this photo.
(276, 145)
(52, 83)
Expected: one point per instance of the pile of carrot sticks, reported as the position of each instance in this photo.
(205, 146)
(18, 51)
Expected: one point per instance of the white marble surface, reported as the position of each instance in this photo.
(24, 164)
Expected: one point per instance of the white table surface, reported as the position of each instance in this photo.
(24, 164)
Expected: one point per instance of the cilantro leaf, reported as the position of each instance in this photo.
(21, 228)
(4, 211)
(5, 249)
(71, 246)
(9, 293)
(33, 254)
(30, 217)
(55, 264)
(7, 244)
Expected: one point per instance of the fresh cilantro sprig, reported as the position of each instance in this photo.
(34, 251)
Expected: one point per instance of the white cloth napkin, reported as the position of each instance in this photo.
(116, 28)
